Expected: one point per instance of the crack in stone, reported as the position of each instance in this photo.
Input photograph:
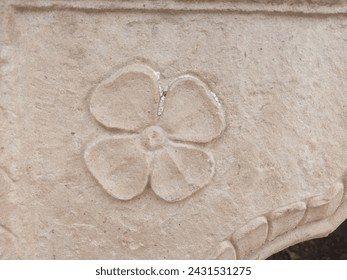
(7, 229)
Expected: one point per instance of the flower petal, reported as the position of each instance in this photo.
(192, 112)
(119, 165)
(179, 171)
(127, 100)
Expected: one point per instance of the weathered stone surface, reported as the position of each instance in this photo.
(170, 129)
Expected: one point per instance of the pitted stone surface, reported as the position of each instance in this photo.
(170, 129)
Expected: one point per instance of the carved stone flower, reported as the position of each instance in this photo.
(158, 148)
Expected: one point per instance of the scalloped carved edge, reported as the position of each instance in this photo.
(285, 226)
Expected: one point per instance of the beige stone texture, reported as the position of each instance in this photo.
(171, 129)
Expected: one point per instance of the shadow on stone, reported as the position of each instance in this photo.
(333, 247)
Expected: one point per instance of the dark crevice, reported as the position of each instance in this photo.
(333, 247)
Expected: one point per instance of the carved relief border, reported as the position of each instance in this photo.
(281, 228)
(10, 119)
(296, 7)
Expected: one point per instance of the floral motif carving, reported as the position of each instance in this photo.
(164, 131)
